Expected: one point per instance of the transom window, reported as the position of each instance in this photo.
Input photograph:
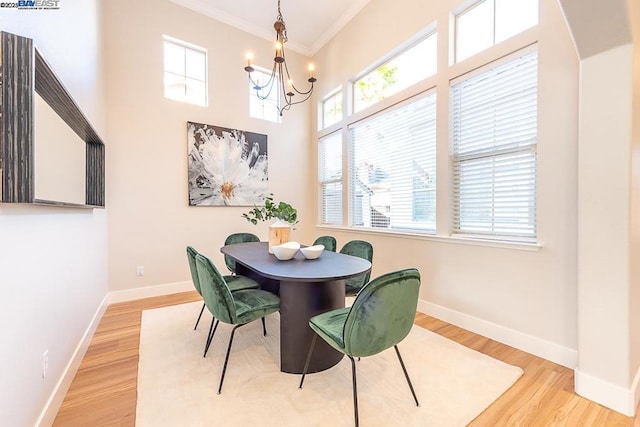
(265, 109)
(332, 109)
(185, 71)
(409, 67)
(489, 22)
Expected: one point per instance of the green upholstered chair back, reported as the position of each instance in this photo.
(191, 256)
(329, 243)
(361, 249)
(215, 292)
(382, 314)
(237, 238)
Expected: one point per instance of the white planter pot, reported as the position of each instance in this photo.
(279, 232)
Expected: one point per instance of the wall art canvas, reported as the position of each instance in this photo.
(227, 167)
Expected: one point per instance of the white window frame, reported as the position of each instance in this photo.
(254, 98)
(454, 34)
(394, 209)
(326, 182)
(188, 46)
(456, 161)
(429, 31)
(322, 108)
(447, 71)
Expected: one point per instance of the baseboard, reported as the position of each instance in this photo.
(606, 394)
(52, 406)
(150, 291)
(547, 350)
(635, 387)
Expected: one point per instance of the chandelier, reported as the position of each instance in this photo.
(276, 81)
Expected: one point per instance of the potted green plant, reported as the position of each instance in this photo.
(285, 215)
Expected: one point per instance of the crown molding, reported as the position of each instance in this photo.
(212, 12)
(204, 8)
(344, 19)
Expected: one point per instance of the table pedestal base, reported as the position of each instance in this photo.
(299, 301)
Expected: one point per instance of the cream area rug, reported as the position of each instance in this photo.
(178, 387)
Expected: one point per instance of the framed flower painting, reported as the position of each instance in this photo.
(227, 167)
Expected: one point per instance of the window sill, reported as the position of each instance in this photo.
(522, 246)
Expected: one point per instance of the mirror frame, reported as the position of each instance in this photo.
(23, 73)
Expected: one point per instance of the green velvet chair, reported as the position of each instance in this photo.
(232, 240)
(361, 249)
(236, 283)
(235, 308)
(329, 243)
(380, 318)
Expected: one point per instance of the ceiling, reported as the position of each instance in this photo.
(591, 33)
(309, 26)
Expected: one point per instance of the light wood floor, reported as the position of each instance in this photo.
(103, 392)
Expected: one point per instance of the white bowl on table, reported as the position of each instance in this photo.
(312, 252)
(285, 251)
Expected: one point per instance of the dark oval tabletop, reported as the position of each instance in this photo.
(330, 265)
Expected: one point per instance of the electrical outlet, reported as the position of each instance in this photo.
(45, 363)
(140, 270)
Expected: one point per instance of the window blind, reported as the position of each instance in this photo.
(330, 175)
(494, 137)
(392, 162)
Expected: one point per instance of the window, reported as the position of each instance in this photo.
(332, 109)
(185, 72)
(330, 171)
(491, 21)
(411, 66)
(393, 167)
(494, 137)
(265, 109)
(377, 160)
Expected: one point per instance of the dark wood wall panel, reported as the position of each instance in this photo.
(56, 95)
(95, 174)
(16, 153)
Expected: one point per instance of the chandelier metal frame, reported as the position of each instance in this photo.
(280, 69)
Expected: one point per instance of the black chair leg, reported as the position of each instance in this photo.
(355, 388)
(264, 328)
(306, 364)
(406, 375)
(226, 359)
(198, 321)
(212, 331)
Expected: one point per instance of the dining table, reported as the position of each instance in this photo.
(306, 287)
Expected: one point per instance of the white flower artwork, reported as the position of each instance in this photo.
(227, 167)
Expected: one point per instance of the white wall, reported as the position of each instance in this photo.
(525, 298)
(53, 262)
(634, 300)
(609, 203)
(150, 222)
(604, 206)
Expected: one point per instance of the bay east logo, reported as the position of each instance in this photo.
(38, 4)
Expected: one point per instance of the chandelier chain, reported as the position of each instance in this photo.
(284, 26)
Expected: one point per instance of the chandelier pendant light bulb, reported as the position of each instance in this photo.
(280, 72)
(249, 68)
